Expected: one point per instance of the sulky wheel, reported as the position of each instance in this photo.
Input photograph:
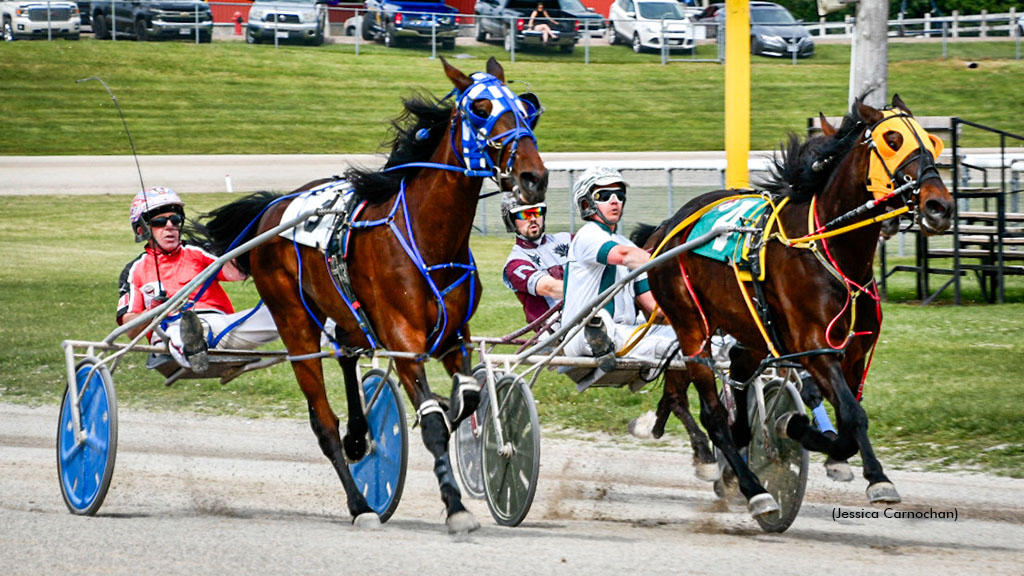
(510, 469)
(86, 464)
(380, 475)
(779, 463)
(469, 441)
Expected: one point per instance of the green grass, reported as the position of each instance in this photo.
(230, 98)
(943, 390)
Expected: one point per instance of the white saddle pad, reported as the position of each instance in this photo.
(316, 232)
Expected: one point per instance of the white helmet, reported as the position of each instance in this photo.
(152, 200)
(592, 177)
(509, 204)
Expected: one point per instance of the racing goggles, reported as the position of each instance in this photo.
(605, 195)
(161, 221)
(529, 212)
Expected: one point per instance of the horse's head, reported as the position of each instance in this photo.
(902, 165)
(496, 132)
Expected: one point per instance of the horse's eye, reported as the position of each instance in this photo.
(481, 107)
(894, 140)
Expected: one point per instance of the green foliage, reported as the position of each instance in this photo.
(232, 98)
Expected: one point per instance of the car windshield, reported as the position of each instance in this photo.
(771, 16)
(574, 5)
(659, 10)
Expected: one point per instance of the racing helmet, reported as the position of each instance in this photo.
(510, 204)
(591, 177)
(152, 200)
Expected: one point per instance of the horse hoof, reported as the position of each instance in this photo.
(707, 472)
(462, 523)
(838, 470)
(883, 492)
(643, 425)
(367, 521)
(762, 504)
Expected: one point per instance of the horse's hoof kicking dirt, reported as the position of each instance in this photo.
(838, 470)
(762, 504)
(643, 425)
(462, 523)
(708, 472)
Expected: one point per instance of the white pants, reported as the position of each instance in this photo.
(653, 347)
(257, 330)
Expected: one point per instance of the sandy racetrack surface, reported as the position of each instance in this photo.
(215, 495)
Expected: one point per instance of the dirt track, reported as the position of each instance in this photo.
(197, 495)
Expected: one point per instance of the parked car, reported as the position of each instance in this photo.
(31, 19)
(640, 23)
(297, 20)
(391, 21)
(507, 20)
(773, 30)
(590, 21)
(150, 19)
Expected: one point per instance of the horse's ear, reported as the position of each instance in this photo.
(867, 113)
(897, 102)
(826, 127)
(495, 69)
(460, 80)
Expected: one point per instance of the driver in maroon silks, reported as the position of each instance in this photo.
(536, 265)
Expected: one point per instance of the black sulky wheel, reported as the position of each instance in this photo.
(469, 442)
(510, 469)
(779, 463)
(380, 475)
(85, 462)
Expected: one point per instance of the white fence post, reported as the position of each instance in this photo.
(956, 23)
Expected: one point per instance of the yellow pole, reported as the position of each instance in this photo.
(737, 93)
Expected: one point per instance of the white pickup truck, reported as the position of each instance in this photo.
(40, 19)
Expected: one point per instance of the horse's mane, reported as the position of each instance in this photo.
(793, 173)
(408, 144)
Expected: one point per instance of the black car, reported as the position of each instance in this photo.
(149, 19)
(590, 21)
(773, 30)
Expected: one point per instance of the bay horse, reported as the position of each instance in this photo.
(818, 301)
(409, 266)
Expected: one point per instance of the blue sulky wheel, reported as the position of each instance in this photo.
(510, 468)
(86, 465)
(380, 475)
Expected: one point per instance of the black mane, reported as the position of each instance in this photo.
(792, 172)
(422, 112)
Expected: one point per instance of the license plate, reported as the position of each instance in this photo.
(282, 35)
(184, 32)
(792, 48)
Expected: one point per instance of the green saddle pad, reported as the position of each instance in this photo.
(741, 211)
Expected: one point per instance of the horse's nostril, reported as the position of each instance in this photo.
(938, 208)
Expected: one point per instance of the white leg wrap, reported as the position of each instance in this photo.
(433, 406)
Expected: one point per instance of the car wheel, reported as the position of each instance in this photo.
(318, 38)
(74, 37)
(366, 25)
(567, 48)
(755, 46)
(613, 38)
(637, 46)
(251, 38)
(205, 38)
(508, 39)
(8, 31)
(389, 36)
(99, 27)
(448, 43)
(141, 33)
(481, 34)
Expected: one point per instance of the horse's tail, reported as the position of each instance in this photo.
(231, 225)
(642, 233)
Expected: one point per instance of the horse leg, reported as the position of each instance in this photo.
(704, 462)
(837, 470)
(357, 429)
(465, 396)
(715, 419)
(436, 432)
(853, 429)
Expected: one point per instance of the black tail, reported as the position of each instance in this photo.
(219, 229)
(642, 233)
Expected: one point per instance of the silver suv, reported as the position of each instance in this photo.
(301, 20)
(35, 19)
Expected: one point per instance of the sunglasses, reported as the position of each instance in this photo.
(605, 195)
(531, 213)
(160, 222)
